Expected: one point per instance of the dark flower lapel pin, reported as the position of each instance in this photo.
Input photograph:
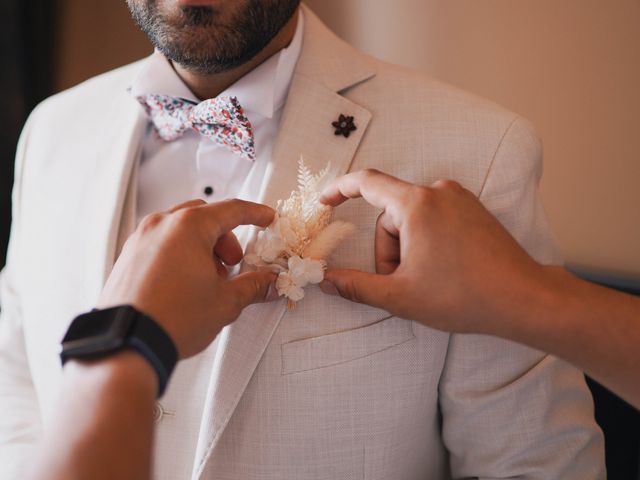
(344, 125)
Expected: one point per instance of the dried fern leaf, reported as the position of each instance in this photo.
(322, 174)
(306, 180)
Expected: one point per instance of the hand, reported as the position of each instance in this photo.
(173, 269)
(441, 258)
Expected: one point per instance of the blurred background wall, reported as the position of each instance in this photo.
(570, 66)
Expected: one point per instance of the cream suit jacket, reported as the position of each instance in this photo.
(331, 390)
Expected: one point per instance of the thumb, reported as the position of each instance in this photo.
(361, 287)
(253, 287)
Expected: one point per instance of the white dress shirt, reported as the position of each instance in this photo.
(193, 166)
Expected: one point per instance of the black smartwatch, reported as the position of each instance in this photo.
(103, 332)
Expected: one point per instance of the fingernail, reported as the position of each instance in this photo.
(329, 288)
(272, 293)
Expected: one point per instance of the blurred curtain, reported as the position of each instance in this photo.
(26, 50)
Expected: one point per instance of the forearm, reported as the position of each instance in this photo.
(104, 421)
(595, 328)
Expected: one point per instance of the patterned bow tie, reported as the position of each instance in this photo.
(221, 119)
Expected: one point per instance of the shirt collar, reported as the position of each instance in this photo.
(263, 90)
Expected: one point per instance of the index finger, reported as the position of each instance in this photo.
(379, 189)
(222, 217)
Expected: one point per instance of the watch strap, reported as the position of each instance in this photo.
(150, 340)
(100, 333)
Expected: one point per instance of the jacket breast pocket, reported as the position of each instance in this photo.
(346, 346)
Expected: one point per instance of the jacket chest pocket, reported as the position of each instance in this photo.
(346, 346)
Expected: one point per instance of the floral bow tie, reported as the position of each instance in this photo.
(221, 119)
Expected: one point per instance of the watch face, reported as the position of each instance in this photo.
(98, 332)
(94, 325)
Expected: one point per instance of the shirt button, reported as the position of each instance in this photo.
(158, 412)
(208, 191)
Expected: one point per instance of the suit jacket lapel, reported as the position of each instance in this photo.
(313, 103)
(111, 190)
(306, 131)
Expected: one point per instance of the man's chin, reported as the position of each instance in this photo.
(202, 63)
(197, 3)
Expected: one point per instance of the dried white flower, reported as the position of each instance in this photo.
(301, 237)
(287, 286)
(306, 270)
(270, 245)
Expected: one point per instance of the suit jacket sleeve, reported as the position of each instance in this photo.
(509, 411)
(19, 417)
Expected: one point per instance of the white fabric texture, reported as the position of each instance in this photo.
(331, 389)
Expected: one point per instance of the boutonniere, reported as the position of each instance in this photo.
(301, 237)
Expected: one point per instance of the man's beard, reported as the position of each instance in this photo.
(199, 38)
